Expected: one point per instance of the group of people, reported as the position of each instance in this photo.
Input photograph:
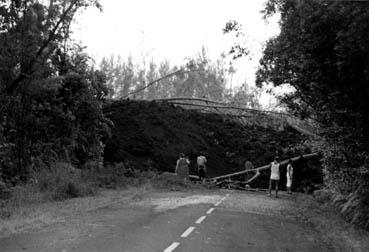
(183, 162)
(275, 176)
(183, 170)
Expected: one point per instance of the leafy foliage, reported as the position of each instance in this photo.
(322, 52)
(51, 99)
(237, 51)
(198, 77)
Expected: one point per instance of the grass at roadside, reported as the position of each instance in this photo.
(344, 236)
(44, 203)
(35, 215)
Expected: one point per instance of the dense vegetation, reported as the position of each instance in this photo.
(199, 76)
(50, 97)
(322, 52)
(51, 102)
(53, 115)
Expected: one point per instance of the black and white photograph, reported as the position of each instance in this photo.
(184, 126)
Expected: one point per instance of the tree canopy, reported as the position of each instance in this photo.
(50, 96)
(198, 76)
(322, 51)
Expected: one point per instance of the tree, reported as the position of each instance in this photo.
(166, 85)
(208, 79)
(38, 31)
(197, 77)
(50, 100)
(107, 66)
(322, 52)
(246, 97)
(151, 76)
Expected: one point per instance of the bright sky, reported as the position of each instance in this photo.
(174, 30)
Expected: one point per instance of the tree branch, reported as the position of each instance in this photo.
(14, 84)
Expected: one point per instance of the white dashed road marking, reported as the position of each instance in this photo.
(172, 247)
(199, 220)
(187, 232)
(210, 211)
(220, 201)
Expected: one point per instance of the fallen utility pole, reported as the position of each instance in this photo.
(257, 170)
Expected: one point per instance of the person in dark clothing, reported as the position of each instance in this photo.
(182, 169)
(201, 167)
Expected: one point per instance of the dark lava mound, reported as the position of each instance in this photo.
(150, 135)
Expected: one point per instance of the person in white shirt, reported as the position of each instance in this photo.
(289, 176)
(274, 176)
(201, 167)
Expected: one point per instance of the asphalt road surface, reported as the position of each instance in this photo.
(182, 222)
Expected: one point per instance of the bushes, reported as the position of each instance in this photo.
(108, 176)
(354, 207)
(347, 182)
(124, 175)
(331, 84)
(63, 182)
(60, 182)
(169, 181)
(72, 189)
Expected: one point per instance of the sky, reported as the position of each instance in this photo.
(174, 30)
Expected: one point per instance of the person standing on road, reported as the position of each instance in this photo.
(182, 169)
(289, 176)
(248, 166)
(274, 176)
(201, 167)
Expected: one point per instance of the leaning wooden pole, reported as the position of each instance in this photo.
(265, 167)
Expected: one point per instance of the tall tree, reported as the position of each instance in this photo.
(151, 76)
(322, 52)
(199, 76)
(45, 84)
(112, 71)
(165, 85)
(246, 97)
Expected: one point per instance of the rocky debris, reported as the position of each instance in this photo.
(322, 195)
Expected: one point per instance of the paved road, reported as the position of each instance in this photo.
(181, 222)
